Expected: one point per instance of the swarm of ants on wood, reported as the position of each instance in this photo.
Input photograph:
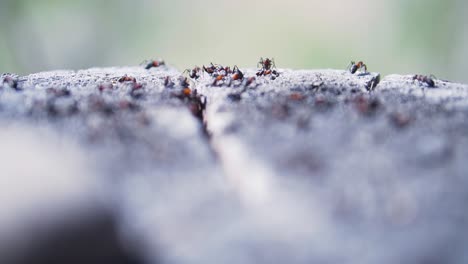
(222, 75)
(227, 76)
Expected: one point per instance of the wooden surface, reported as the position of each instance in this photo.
(310, 167)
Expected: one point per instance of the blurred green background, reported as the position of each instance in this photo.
(391, 36)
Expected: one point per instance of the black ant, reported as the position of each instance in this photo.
(429, 80)
(154, 63)
(370, 85)
(354, 67)
(194, 73)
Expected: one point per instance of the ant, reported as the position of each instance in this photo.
(197, 104)
(353, 67)
(11, 82)
(154, 63)
(126, 78)
(249, 81)
(193, 73)
(429, 80)
(267, 63)
(267, 66)
(238, 75)
(370, 85)
(183, 82)
(218, 79)
(227, 70)
(211, 69)
(187, 91)
(137, 90)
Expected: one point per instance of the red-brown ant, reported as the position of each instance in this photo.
(126, 78)
(429, 80)
(249, 81)
(267, 63)
(197, 104)
(267, 66)
(227, 70)
(137, 90)
(194, 73)
(210, 70)
(238, 75)
(218, 78)
(353, 67)
(186, 91)
(154, 63)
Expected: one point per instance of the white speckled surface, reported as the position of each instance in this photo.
(307, 168)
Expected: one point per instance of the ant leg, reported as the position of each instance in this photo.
(260, 62)
(365, 68)
(273, 62)
(432, 76)
(349, 65)
(192, 83)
